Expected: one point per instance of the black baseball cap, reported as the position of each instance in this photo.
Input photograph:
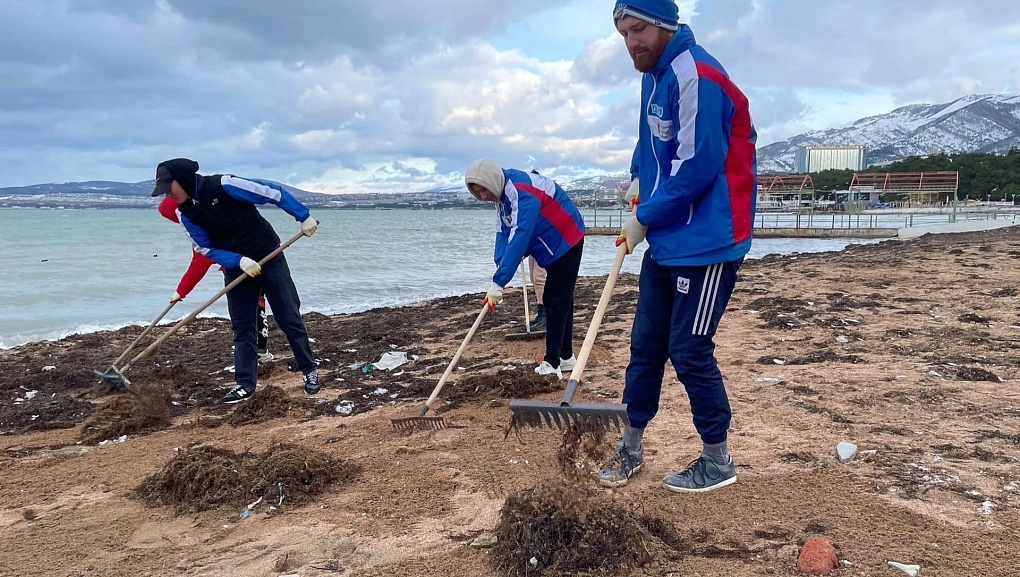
(163, 181)
(180, 169)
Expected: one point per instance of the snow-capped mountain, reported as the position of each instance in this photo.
(977, 123)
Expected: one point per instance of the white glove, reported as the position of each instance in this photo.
(176, 297)
(633, 193)
(250, 267)
(309, 226)
(633, 233)
(494, 296)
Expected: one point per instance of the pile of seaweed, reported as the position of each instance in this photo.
(206, 477)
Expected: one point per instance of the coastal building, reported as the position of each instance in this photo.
(903, 189)
(819, 158)
(780, 192)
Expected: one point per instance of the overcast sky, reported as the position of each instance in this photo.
(398, 95)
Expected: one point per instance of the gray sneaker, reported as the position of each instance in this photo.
(621, 467)
(702, 474)
(312, 382)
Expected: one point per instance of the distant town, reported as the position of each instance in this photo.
(834, 178)
(432, 200)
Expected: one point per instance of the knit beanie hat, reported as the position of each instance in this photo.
(661, 13)
(180, 169)
(488, 174)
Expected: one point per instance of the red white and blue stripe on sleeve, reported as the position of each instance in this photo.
(200, 243)
(524, 210)
(262, 191)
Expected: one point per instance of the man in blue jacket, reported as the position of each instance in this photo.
(218, 212)
(535, 217)
(694, 187)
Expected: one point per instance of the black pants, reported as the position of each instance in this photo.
(263, 325)
(242, 302)
(561, 278)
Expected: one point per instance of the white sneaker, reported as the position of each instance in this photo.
(265, 356)
(568, 364)
(546, 369)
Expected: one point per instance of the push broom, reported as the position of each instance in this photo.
(567, 412)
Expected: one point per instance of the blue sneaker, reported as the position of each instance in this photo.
(702, 474)
(621, 467)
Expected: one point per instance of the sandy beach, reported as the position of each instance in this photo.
(907, 349)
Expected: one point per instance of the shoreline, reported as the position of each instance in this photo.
(913, 232)
(91, 328)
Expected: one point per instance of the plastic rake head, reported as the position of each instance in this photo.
(419, 423)
(557, 416)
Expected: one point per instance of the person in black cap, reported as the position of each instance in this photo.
(218, 212)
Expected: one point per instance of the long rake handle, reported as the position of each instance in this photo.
(453, 363)
(145, 332)
(524, 285)
(209, 303)
(593, 328)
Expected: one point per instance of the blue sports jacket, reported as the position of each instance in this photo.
(224, 223)
(695, 157)
(536, 218)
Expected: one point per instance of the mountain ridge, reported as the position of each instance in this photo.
(987, 123)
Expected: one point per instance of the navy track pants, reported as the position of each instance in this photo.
(678, 312)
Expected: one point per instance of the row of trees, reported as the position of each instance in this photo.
(982, 176)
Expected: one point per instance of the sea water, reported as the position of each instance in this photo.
(79, 271)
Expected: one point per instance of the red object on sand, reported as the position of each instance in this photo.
(817, 557)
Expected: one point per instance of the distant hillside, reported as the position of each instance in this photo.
(99, 187)
(107, 188)
(977, 123)
(108, 194)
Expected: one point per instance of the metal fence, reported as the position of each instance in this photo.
(614, 217)
(832, 220)
(607, 217)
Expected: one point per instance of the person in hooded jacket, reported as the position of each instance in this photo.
(196, 272)
(535, 217)
(219, 213)
(694, 184)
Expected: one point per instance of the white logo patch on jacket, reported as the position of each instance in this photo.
(662, 129)
(683, 285)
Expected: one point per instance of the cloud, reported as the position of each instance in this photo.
(911, 50)
(403, 95)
